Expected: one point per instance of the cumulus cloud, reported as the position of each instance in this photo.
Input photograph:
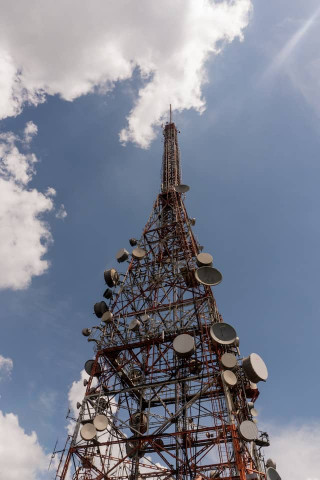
(6, 366)
(30, 130)
(24, 235)
(74, 48)
(76, 393)
(295, 449)
(21, 455)
(62, 212)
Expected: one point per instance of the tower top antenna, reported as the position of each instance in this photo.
(170, 114)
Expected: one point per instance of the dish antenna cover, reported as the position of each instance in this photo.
(229, 378)
(122, 255)
(100, 422)
(255, 368)
(107, 317)
(228, 360)
(222, 333)
(208, 276)
(138, 253)
(111, 277)
(249, 431)
(183, 345)
(204, 259)
(89, 368)
(272, 474)
(182, 188)
(88, 432)
(99, 308)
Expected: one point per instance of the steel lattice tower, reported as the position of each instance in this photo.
(169, 396)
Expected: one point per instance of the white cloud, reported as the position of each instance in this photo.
(6, 366)
(21, 456)
(24, 235)
(75, 47)
(62, 212)
(30, 131)
(295, 449)
(76, 393)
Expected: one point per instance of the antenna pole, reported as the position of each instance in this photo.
(170, 114)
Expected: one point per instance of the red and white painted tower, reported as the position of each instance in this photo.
(168, 395)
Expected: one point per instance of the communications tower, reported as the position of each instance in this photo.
(168, 396)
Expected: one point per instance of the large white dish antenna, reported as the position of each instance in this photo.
(100, 422)
(208, 276)
(255, 368)
(222, 333)
(88, 432)
(184, 345)
(248, 430)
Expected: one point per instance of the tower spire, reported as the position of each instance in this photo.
(171, 170)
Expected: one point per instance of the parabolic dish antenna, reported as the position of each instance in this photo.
(134, 325)
(204, 259)
(100, 422)
(229, 378)
(229, 360)
(88, 432)
(208, 276)
(223, 333)
(107, 293)
(255, 368)
(271, 463)
(272, 474)
(132, 447)
(111, 277)
(86, 332)
(107, 317)
(248, 430)
(99, 308)
(184, 345)
(122, 255)
(89, 366)
(182, 188)
(139, 253)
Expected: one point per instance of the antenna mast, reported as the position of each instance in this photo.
(168, 396)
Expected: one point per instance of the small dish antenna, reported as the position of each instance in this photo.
(255, 368)
(111, 277)
(138, 253)
(182, 188)
(229, 378)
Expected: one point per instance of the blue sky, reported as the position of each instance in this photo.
(252, 161)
